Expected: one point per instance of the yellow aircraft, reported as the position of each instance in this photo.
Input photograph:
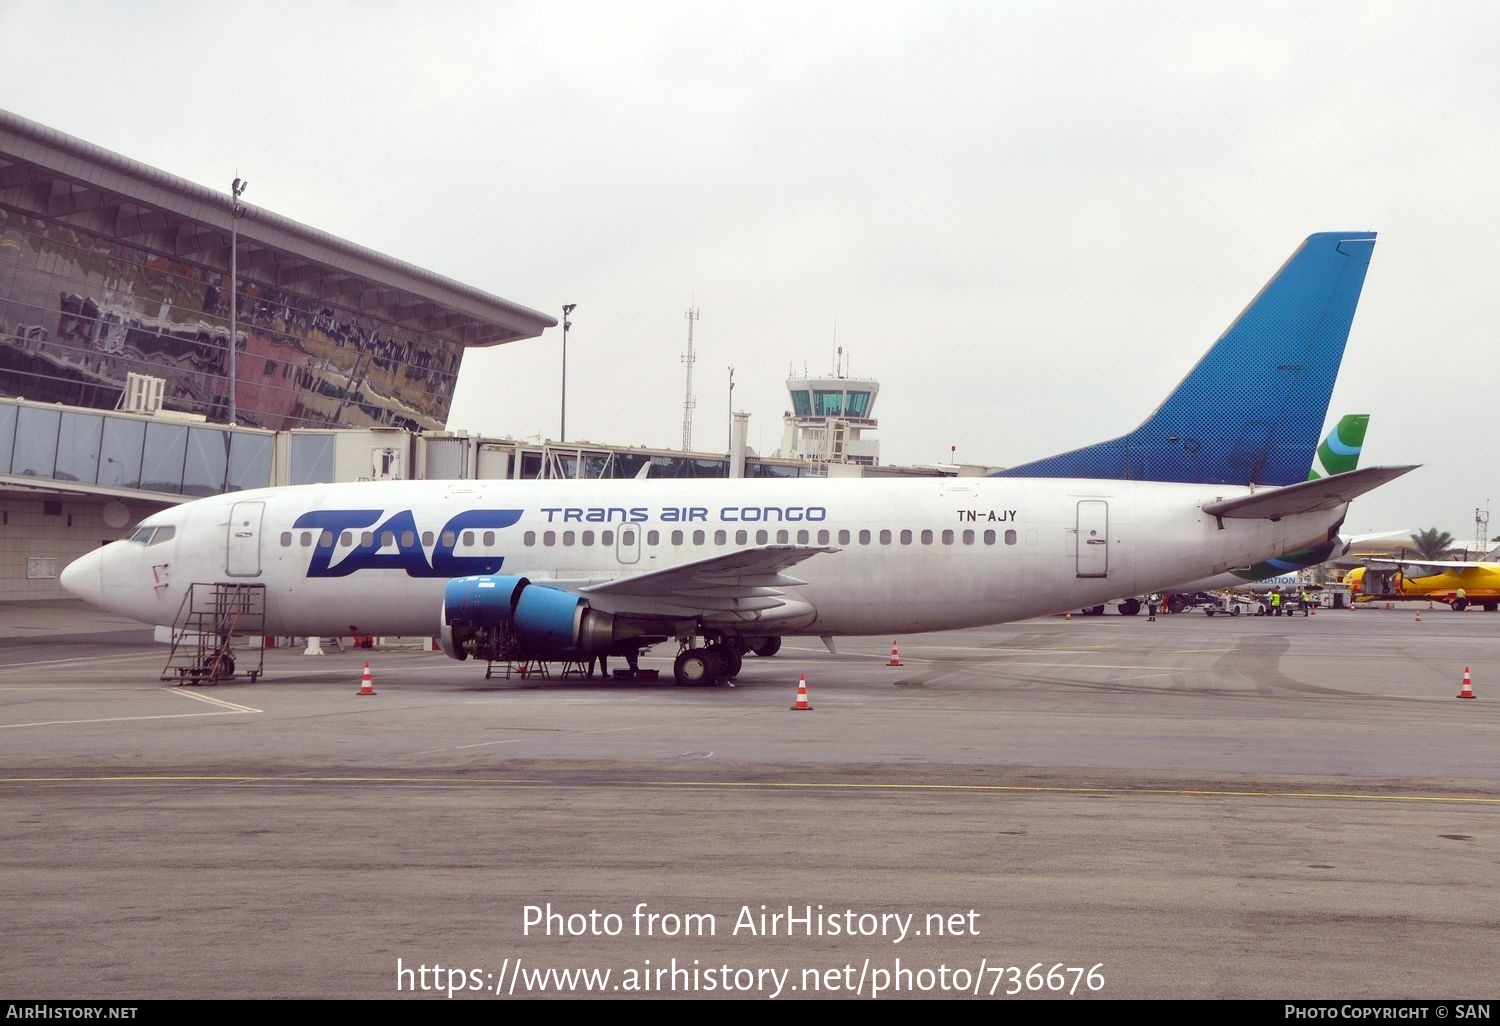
(1454, 582)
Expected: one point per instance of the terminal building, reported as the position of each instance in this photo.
(115, 296)
(120, 393)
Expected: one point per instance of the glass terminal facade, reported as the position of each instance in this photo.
(78, 311)
(121, 451)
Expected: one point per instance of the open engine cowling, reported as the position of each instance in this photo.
(504, 617)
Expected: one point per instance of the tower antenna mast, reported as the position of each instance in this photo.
(688, 402)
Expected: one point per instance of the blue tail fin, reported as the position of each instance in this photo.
(1252, 410)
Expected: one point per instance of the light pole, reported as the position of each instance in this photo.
(730, 450)
(562, 428)
(236, 211)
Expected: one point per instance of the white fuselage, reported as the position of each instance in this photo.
(911, 555)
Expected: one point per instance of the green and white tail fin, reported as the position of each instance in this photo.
(1339, 452)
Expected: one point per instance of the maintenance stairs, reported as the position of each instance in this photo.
(203, 633)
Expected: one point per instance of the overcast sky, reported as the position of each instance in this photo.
(1026, 220)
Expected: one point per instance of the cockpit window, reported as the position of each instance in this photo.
(151, 535)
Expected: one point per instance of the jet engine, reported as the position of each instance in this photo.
(501, 618)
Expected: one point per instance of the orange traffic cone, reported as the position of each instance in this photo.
(895, 655)
(1419, 616)
(1467, 691)
(801, 704)
(1068, 615)
(366, 683)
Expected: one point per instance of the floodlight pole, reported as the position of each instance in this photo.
(236, 211)
(562, 428)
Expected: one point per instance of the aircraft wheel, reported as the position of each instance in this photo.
(730, 657)
(766, 647)
(1130, 607)
(1490, 607)
(1175, 604)
(695, 668)
(1460, 604)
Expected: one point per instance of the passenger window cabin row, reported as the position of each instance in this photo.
(653, 538)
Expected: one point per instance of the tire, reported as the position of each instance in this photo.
(766, 647)
(1490, 607)
(1460, 604)
(1234, 610)
(694, 668)
(1130, 607)
(1175, 604)
(730, 658)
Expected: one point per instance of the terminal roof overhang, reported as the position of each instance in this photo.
(48, 173)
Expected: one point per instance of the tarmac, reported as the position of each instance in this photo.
(1197, 808)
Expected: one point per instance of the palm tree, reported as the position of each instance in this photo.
(1432, 543)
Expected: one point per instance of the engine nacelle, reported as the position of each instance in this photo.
(505, 617)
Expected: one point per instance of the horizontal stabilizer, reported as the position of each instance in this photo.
(1348, 541)
(1307, 496)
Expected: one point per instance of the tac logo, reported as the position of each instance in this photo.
(397, 544)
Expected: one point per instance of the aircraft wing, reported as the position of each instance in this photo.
(1306, 496)
(1433, 567)
(745, 581)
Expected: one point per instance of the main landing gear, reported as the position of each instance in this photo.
(708, 664)
(765, 647)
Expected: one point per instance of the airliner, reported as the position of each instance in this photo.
(555, 570)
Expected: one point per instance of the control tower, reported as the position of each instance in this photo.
(828, 419)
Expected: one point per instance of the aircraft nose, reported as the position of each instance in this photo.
(82, 578)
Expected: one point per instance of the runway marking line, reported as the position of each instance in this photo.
(211, 700)
(224, 709)
(1006, 789)
(142, 657)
